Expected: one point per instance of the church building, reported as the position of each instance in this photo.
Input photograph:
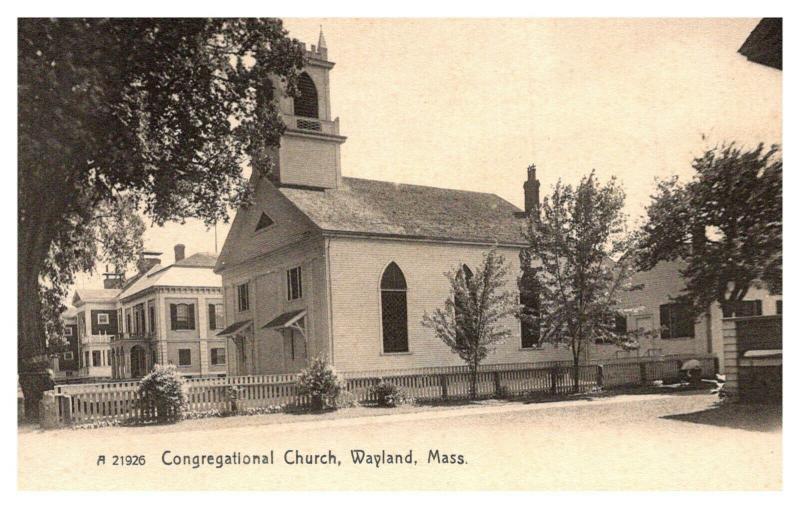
(326, 265)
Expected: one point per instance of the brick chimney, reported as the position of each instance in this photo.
(113, 280)
(531, 187)
(180, 252)
(147, 260)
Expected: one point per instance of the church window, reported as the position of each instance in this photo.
(306, 103)
(394, 311)
(264, 222)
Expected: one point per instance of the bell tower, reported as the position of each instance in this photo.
(309, 155)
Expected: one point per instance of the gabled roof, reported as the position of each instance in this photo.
(95, 295)
(377, 208)
(764, 45)
(184, 273)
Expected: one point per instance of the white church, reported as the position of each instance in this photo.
(327, 265)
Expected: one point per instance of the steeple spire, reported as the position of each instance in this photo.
(321, 44)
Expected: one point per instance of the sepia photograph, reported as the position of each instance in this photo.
(496, 254)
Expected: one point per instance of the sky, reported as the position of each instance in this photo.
(470, 103)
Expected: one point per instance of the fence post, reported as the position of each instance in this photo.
(599, 375)
(443, 383)
(643, 373)
(496, 376)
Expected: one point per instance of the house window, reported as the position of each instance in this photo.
(96, 359)
(68, 331)
(530, 330)
(68, 355)
(243, 296)
(294, 283)
(86, 359)
(461, 303)
(742, 308)
(217, 356)
(216, 319)
(182, 316)
(676, 320)
(779, 307)
(151, 310)
(306, 103)
(102, 318)
(620, 324)
(128, 322)
(264, 222)
(394, 311)
(184, 357)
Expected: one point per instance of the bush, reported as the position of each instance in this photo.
(387, 394)
(321, 383)
(346, 399)
(162, 392)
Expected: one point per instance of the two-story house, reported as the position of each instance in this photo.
(170, 314)
(96, 320)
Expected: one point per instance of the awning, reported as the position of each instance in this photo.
(235, 328)
(286, 320)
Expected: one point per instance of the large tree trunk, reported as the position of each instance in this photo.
(32, 362)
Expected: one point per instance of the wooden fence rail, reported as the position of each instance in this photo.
(119, 400)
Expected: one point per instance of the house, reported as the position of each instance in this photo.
(96, 319)
(169, 314)
(326, 265)
(65, 363)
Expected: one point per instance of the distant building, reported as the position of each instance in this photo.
(65, 363)
(96, 319)
(170, 315)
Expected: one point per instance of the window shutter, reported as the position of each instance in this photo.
(212, 316)
(664, 323)
(191, 317)
(173, 316)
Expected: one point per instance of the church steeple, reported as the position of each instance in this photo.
(309, 154)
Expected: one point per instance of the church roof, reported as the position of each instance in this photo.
(377, 208)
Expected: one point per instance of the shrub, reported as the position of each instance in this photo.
(387, 394)
(321, 383)
(346, 399)
(162, 391)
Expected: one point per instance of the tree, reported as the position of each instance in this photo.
(470, 322)
(579, 261)
(156, 116)
(725, 224)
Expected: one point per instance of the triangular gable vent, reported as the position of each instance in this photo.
(264, 222)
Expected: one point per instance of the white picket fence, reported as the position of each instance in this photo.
(120, 401)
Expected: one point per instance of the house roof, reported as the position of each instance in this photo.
(378, 208)
(95, 295)
(184, 273)
(200, 259)
(764, 45)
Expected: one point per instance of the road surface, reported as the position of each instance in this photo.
(676, 442)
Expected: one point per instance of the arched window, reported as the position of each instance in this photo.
(394, 312)
(306, 104)
(461, 302)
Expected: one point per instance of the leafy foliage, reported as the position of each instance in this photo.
(726, 224)
(121, 116)
(470, 322)
(320, 381)
(163, 390)
(389, 395)
(579, 261)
